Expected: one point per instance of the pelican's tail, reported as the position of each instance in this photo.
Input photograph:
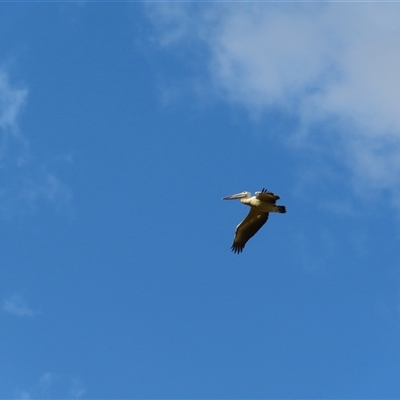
(281, 209)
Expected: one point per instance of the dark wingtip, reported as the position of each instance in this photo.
(237, 249)
(264, 190)
(282, 209)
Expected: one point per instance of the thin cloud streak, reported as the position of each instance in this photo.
(332, 67)
(15, 305)
(11, 102)
(24, 182)
(51, 385)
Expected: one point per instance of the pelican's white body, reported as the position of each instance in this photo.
(255, 202)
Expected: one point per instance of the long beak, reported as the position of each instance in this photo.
(235, 196)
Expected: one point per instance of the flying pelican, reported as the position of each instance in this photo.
(261, 205)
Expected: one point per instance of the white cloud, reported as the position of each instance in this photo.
(334, 67)
(11, 101)
(23, 181)
(54, 386)
(16, 305)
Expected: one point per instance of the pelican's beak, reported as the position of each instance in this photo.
(235, 196)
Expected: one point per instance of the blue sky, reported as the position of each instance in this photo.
(124, 124)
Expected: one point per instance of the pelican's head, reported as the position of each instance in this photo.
(241, 195)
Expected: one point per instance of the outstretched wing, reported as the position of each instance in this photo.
(267, 197)
(248, 228)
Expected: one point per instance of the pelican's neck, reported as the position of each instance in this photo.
(246, 200)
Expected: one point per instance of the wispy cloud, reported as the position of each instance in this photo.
(54, 386)
(11, 101)
(332, 67)
(24, 181)
(16, 305)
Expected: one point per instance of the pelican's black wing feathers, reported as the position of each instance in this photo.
(248, 228)
(267, 197)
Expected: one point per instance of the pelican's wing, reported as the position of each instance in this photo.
(248, 228)
(267, 197)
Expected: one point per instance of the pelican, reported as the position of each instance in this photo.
(261, 205)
